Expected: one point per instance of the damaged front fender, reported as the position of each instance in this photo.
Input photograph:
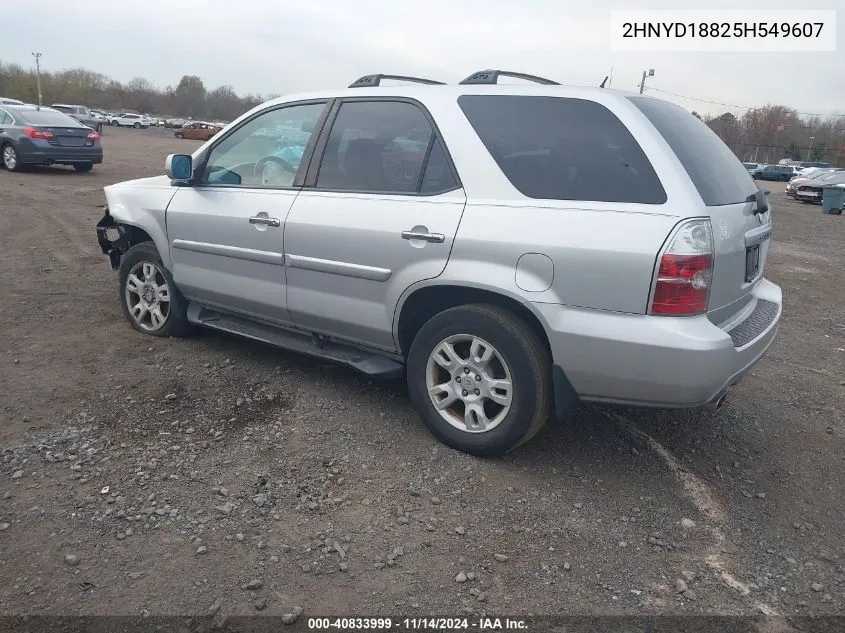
(107, 229)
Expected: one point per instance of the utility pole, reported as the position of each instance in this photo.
(809, 148)
(650, 72)
(37, 57)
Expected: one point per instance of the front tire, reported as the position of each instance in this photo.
(179, 135)
(504, 396)
(137, 126)
(150, 300)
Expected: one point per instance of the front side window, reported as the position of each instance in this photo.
(557, 148)
(266, 151)
(377, 147)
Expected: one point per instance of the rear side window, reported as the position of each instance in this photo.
(381, 146)
(563, 149)
(713, 168)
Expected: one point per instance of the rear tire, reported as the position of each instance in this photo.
(83, 167)
(518, 359)
(140, 278)
(9, 157)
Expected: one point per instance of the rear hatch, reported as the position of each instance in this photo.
(732, 200)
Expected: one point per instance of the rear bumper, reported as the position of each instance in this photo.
(41, 152)
(659, 361)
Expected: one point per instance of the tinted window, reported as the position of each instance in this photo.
(376, 146)
(5, 119)
(49, 118)
(438, 176)
(265, 151)
(563, 149)
(714, 169)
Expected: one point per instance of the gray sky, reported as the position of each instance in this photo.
(283, 46)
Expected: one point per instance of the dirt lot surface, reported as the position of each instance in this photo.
(212, 475)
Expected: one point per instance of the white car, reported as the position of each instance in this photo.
(130, 120)
(10, 101)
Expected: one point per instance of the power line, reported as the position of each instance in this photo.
(733, 105)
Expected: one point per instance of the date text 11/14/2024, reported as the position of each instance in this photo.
(414, 624)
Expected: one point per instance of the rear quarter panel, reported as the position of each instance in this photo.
(600, 259)
(603, 252)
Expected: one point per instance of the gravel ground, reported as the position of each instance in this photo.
(213, 476)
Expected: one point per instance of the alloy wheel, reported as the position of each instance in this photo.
(469, 383)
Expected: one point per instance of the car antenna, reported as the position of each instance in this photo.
(604, 81)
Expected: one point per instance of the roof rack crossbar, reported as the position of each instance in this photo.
(368, 81)
(492, 77)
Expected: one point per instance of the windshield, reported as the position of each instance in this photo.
(713, 168)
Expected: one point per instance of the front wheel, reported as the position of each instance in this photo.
(137, 126)
(150, 300)
(179, 135)
(480, 378)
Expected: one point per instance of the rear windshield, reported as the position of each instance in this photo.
(563, 149)
(714, 169)
(49, 118)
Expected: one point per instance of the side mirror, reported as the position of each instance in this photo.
(179, 167)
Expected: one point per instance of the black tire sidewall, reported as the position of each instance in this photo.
(177, 321)
(525, 377)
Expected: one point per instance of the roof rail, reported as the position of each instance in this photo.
(368, 81)
(492, 77)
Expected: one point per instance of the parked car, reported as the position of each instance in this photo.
(812, 191)
(129, 120)
(174, 123)
(815, 163)
(30, 135)
(776, 172)
(750, 167)
(815, 178)
(198, 131)
(10, 101)
(538, 248)
(81, 114)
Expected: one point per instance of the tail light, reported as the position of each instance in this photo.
(685, 271)
(33, 133)
(93, 136)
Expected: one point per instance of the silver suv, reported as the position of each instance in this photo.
(510, 249)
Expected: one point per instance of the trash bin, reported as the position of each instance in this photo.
(833, 199)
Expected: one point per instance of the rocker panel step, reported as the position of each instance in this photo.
(372, 365)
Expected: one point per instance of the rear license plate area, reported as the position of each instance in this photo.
(71, 141)
(752, 262)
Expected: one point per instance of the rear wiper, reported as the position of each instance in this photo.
(760, 199)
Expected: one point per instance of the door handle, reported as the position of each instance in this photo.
(436, 238)
(257, 219)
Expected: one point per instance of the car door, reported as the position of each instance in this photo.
(226, 229)
(378, 212)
